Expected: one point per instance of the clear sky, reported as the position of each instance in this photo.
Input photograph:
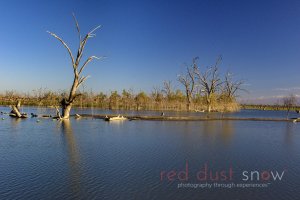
(147, 42)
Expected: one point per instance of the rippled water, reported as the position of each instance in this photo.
(94, 159)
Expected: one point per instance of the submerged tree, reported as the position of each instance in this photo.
(66, 103)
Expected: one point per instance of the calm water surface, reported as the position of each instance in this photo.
(94, 159)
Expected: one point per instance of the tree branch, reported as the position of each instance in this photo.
(77, 27)
(91, 32)
(66, 46)
(82, 79)
(86, 62)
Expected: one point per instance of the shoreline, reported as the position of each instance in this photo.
(191, 118)
(242, 107)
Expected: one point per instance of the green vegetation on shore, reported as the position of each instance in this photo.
(128, 100)
(268, 107)
(158, 99)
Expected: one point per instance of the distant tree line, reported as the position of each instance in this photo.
(164, 98)
(288, 103)
(202, 92)
(158, 99)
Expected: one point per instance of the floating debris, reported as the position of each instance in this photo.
(34, 115)
(77, 116)
(114, 118)
(46, 116)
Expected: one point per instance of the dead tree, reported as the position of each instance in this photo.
(168, 90)
(232, 87)
(78, 68)
(188, 81)
(210, 82)
(157, 95)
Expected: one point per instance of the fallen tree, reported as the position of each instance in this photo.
(15, 112)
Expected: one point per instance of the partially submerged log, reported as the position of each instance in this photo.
(15, 112)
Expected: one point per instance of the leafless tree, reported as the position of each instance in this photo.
(11, 95)
(188, 81)
(289, 102)
(210, 82)
(232, 87)
(78, 68)
(157, 95)
(168, 89)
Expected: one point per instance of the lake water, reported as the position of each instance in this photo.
(94, 159)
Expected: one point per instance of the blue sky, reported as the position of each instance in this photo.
(147, 42)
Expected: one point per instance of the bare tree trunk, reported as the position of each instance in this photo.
(208, 107)
(188, 106)
(66, 103)
(188, 101)
(208, 103)
(66, 111)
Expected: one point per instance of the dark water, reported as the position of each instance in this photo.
(94, 159)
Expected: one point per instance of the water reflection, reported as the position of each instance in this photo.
(209, 128)
(222, 131)
(289, 131)
(73, 156)
(15, 122)
(226, 131)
